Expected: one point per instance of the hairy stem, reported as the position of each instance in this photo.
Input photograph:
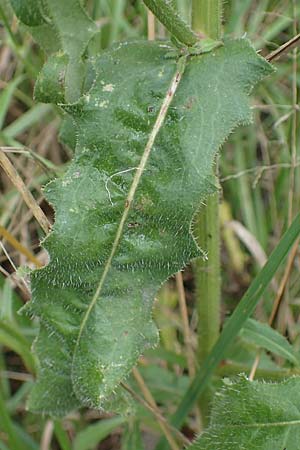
(167, 15)
(206, 19)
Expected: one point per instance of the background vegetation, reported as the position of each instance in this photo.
(260, 182)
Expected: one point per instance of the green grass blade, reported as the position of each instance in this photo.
(62, 436)
(8, 427)
(27, 441)
(17, 400)
(264, 336)
(27, 120)
(242, 312)
(13, 339)
(88, 438)
(6, 97)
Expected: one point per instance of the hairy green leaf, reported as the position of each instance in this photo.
(46, 36)
(36, 20)
(50, 85)
(30, 12)
(254, 415)
(74, 26)
(67, 132)
(75, 30)
(59, 25)
(107, 261)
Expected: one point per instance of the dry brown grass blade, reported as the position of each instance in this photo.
(26, 194)
(163, 423)
(186, 326)
(18, 246)
(285, 48)
(150, 401)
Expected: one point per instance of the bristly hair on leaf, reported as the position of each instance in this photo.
(146, 137)
(87, 345)
(253, 415)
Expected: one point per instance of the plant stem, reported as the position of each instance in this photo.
(207, 277)
(206, 19)
(168, 16)
(208, 288)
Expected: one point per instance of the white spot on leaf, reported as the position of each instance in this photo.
(104, 104)
(108, 88)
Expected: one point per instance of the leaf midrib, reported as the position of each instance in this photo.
(135, 182)
(260, 425)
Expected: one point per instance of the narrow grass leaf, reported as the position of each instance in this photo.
(62, 436)
(12, 338)
(27, 120)
(132, 437)
(262, 335)
(95, 433)
(6, 97)
(7, 426)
